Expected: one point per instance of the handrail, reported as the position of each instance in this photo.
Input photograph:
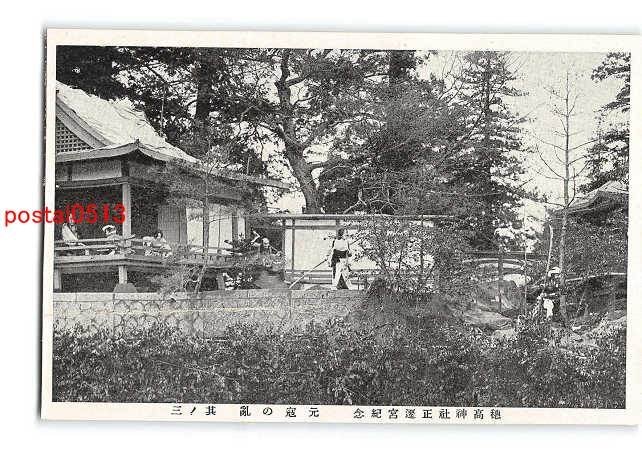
(132, 238)
(132, 244)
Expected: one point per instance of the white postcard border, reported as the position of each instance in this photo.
(331, 413)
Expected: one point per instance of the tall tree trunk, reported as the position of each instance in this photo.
(487, 164)
(294, 150)
(307, 184)
(207, 66)
(562, 258)
(204, 75)
(567, 175)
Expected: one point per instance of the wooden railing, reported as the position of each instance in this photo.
(100, 246)
(137, 246)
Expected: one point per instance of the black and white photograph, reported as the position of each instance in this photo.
(351, 228)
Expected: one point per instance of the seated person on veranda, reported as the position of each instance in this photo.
(119, 241)
(70, 235)
(262, 245)
(157, 245)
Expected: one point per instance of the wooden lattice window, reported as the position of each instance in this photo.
(67, 141)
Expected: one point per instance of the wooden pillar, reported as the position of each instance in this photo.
(57, 280)
(127, 203)
(182, 225)
(292, 254)
(235, 224)
(206, 222)
(122, 274)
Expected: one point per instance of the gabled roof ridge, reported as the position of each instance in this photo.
(126, 125)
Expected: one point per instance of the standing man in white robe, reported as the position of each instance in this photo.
(339, 260)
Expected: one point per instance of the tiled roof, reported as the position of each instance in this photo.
(613, 190)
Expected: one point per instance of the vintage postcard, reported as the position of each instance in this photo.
(341, 227)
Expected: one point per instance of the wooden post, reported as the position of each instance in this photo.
(206, 222)
(57, 280)
(122, 274)
(235, 223)
(500, 277)
(127, 203)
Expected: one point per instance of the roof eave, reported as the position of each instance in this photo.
(125, 149)
(97, 153)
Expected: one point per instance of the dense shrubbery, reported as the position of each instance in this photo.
(437, 364)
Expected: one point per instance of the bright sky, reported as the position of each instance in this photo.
(537, 72)
(541, 70)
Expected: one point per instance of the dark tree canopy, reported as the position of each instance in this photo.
(608, 158)
(359, 130)
(459, 144)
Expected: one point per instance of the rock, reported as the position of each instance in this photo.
(487, 300)
(267, 280)
(486, 319)
(606, 324)
(507, 333)
(615, 314)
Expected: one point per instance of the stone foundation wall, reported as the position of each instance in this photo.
(209, 314)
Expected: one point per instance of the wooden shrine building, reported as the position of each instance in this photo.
(108, 153)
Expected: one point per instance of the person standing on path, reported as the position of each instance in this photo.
(339, 260)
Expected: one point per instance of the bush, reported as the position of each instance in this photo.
(413, 256)
(536, 370)
(436, 364)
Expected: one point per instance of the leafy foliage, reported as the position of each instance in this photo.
(184, 273)
(436, 364)
(597, 244)
(414, 255)
(371, 109)
(452, 147)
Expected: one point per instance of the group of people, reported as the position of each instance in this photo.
(71, 237)
(255, 244)
(155, 245)
(262, 244)
(338, 256)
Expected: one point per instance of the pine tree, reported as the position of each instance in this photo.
(492, 168)
(608, 158)
(411, 139)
